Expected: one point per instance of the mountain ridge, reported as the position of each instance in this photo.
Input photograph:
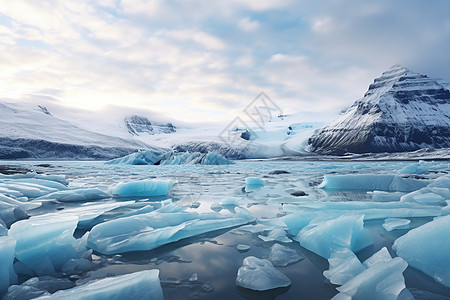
(401, 111)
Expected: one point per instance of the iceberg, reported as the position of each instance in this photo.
(157, 228)
(370, 210)
(427, 247)
(260, 275)
(138, 285)
(243, 247)
(82, 194)
(343, 266)
(254, 181)
(148, 157)
(45, 242)
(428, 195)
(417, 168)
(142, 188)
(152, 157)
(326, 237)
(7, 273)
(37, 286)
(396, 223)
(276, 235)
(383, 280)
(282, 256)
(371, 182)
(87, 212)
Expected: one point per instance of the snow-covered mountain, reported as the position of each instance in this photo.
(401, 111)
(33, 132)
(138, 125)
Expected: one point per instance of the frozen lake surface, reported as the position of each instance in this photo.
(277, 194)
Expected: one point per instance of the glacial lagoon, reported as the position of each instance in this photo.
(261, 203)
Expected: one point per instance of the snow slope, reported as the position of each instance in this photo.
(33, 132)
(401, 111)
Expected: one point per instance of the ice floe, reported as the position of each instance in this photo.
(160, 227)
(260, 275)
(372, 182)
(7, 274)
(281, 256)
(82, 194)
(45, 243)
(343, 266)
(427, 248)
(152, 157)
(326, 237)
(396, 223)
(138, 285)
(142, 188)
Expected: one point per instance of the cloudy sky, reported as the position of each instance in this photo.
(198, 60)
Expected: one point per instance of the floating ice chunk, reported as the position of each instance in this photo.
(381, 256)
(281, 256)
(216, 207)
(370, 210)
(276, 235)
(3, 229)
(442, 182)
(148, 157)
(77, 266)
(56, 178)
(143, 188)
(6, 202)
(254, 181)
(260, 275)
(36, 287)
(212, 158)
(396, 223)
(88, 211)
(27, 189)
(138, 285)
(257, 228)
(149, 231)
(381, 196)
(383, 280)
(428, 195)
(427, 248)
(152, 157)
(46, 242)
(329, 236)
(7, 274)
(84, 194)
(42, 182)
(343, 266)
(370, 182)
(417, 168)
(296, 221)
(9, 215)
(229, 202)
(242, 247)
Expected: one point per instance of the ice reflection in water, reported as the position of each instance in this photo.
(213, 256)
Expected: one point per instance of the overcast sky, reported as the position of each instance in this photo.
(206, 60)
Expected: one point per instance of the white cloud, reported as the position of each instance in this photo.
(247, 24)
